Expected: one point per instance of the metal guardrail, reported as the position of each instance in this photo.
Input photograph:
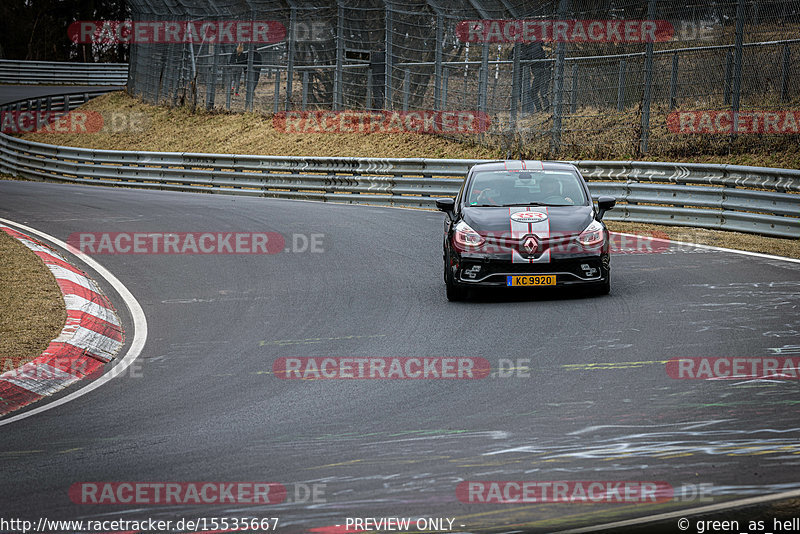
(62, 73)
(728, 197)
(56, 103)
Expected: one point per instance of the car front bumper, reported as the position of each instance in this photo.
(478, 271)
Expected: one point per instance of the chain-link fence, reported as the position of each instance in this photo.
(589, 79)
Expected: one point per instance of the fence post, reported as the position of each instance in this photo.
(515, 86)
(368, 100)
(445, 78)
(558, 84)
(290, 56)
(648, 83)
(573, 96)
(437, 77)
(305, 90)
(211, 87)
(250, 79)
(483, 78)
(621, 85)
(673, 82)
(406, 87)
(167, 73)
(389, 55)
(526, 100)
(737, 65)
(466, 72)
(785, 75)
(276, 104)
(337, 77)
(726, 90)
(179, 78)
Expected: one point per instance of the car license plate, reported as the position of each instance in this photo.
(531, 280)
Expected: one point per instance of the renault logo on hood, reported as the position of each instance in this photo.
(528, 216)
(530, 244)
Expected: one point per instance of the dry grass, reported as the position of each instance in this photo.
(32, 311)
(591, 134)
(180, 130)
(789, 248)
(600, 134)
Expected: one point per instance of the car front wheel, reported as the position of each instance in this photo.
(454, 291)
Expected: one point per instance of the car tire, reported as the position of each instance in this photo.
(604, 288)
(453, 290)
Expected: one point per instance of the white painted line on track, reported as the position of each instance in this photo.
(679, 514)
(711, 247)
(137, 315)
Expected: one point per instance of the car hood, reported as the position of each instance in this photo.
(563, 220)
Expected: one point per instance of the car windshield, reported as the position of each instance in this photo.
(525, 188)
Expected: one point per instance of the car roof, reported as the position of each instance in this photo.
(523, 165)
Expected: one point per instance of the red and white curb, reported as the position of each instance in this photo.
(90, 338)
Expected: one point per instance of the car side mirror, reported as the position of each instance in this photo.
(446, 205)
(603, 205)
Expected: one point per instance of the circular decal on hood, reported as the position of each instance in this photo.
(528, 216)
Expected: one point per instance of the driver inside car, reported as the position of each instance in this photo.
(550, 192)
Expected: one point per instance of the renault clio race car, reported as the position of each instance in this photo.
(525, 224)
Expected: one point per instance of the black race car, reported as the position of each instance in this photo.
(524, 224)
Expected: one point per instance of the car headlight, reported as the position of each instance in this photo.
(466, 238)
(593, 235)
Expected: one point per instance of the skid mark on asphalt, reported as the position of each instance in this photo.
(312, 340)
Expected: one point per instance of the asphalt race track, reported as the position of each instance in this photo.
(597, 404)
(203, 403)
